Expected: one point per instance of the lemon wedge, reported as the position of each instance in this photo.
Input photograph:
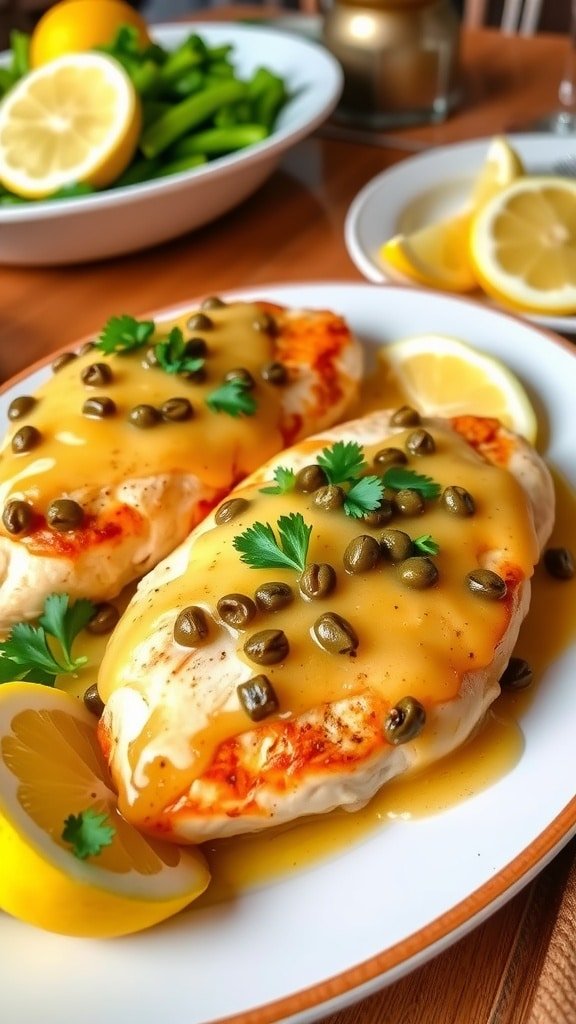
(443, 376)
(73, 26)
(76, 119)
(523, 245)
(51, 768)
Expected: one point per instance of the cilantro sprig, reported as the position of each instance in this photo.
(171, 353)
(426, 545)
(343, 462)
(261, 549)
(233, 398)
(284, 481)
(27, 653)
(88, 832)
(124, 334)
(398, 477)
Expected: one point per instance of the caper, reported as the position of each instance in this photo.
(335, 634)
(329, 498)
(380, 515)
(458, 501)
(17, 516)
(405, 416)
(199, 322)
(64, 514)
(86, 348)
(196, 348)
(559, 563)
(265, 322)
(230, 509)
(144, 416)
(150, 359)
(96, 375)
(396, 545)
(271, 597)
(389, 457)
(310, 478)
(26, 439)
(267, 647)
(177, 410)
(486, 583)
(420, 442)
(362, 554)
(99, 408)
(409, 502)
(418, 572)
(236, 610)
(517, 675)
(104, 619)
(191, 626)
(62, 360)
(317, 581)
(20, 406)
(405, 721)
(197, 376)
(258, 698)
(274, 373)
(93, 700)
(212, 302)
(242, 375)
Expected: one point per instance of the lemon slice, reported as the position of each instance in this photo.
(501, 167)
(443, 376)
(51, 767)
(523, 245)
(73, 26)
(76, 119)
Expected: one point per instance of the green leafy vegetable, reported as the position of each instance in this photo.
(124, 333)
(233, 398)
(364, 496)
(285, 481)
(343, 462)
(26, 653)
(260, 549)
(398, 478)
(426, 544)
(88, 832)
(172, 355)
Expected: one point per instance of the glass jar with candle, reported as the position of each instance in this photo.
(399, 59)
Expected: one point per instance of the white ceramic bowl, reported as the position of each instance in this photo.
(127, 219)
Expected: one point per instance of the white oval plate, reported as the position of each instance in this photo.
(435, 184)
(123, 220)
(314, 941)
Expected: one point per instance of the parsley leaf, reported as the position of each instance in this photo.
(88, 832)
(364, 496)
(398, 478)
(26, 653)
(124, 333)
(260, 549)
(285, 481)
(171, 353)
(426, 544)
(233, 398)
(343, 462)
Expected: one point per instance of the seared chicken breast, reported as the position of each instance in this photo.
(132, 441)
(343, 617)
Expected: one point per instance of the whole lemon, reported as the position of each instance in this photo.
(73, 26)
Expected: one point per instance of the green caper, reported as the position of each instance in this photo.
(389, 457)
(191, 626)
(26, 439)
(86, 348)
(212, 302)
(197, 376)
(265, 322)
(409, 502)
(458, 501)
(20, 406)
(329, 498)
(97, 375)
(517, 675)
(98, 408)
(104, 619)
(272, 597)
(362, 554)
(258, 698)
(199, 322)
(486, 583)
(93, 701)
(405, 416)
(418, 572)
(150, 359)
(559, 563)
(144, 416)
(196, 348)
(396, 545)
(317, 581)
(176, 410)
(267, 647)
(64, 514)
(243, 376)
(230, 509)
(310, 479)
(17, 517)
(335, 634)
(405, 721)
(62, 360)
(236, 610)
(274, 373)
(380, 515)
(420, 442)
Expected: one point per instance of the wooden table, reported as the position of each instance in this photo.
(292, 230)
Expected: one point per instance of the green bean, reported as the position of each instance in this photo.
(138, 171)
(185, 163)
(187, 115)
(220, 140)
(188, 84)
(20, 46)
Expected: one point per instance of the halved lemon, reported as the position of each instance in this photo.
(51, 768)
(523, 245)
(73, 26)
(443, 376)
(76, 119)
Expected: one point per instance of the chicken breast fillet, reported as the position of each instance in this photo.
(130, 443)
(241, 697)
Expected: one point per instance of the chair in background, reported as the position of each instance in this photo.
(518, 16)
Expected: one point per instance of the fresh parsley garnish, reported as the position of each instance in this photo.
(26, 653)
(398, 478)
(124, 333)
(260, 549)
(172, 356)
(233, 398)
(88, 832)
(343, 462)
(426, 545)
(285, 481)
(364, 496)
